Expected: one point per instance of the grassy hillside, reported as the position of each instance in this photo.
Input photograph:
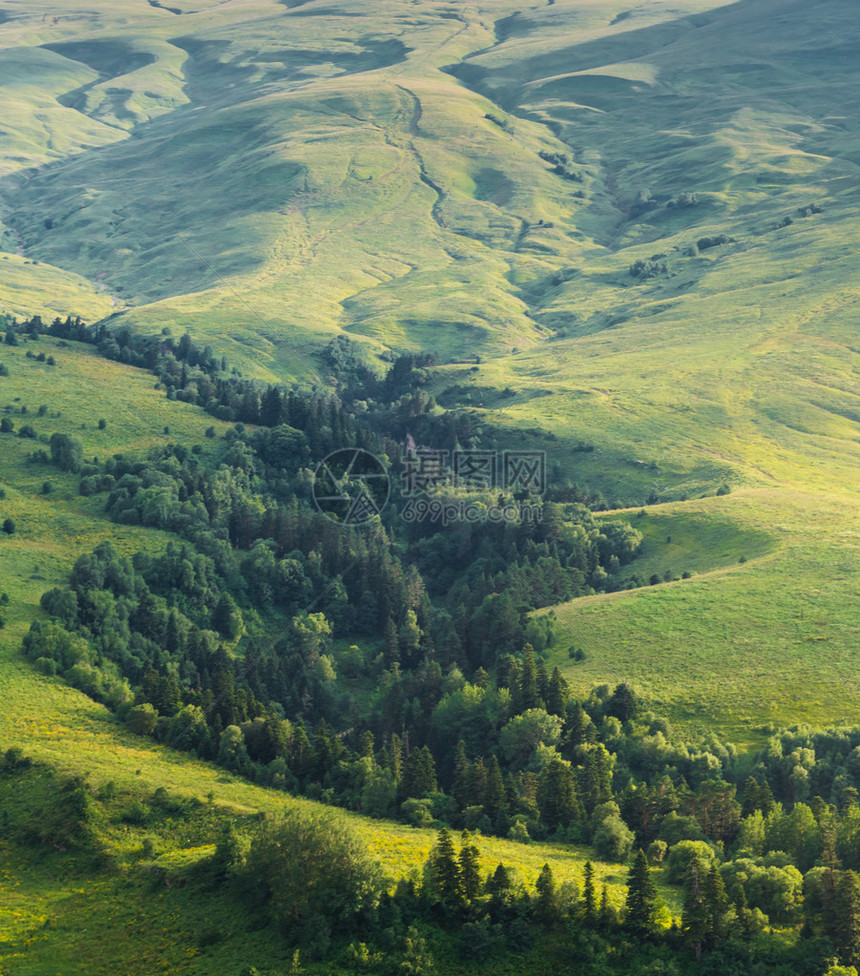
(672, 282)
(378, 172)
(763, 632)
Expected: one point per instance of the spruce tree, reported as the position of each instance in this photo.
(395, 757)
(446, 870)
(419, 774)
(751, 797)
(716, 905)
(477, 783)
(743, 911)
(470, 874)
(557, 796)
(546, 904)
(529, 696)
(848, 917)
(542, 680)
(694, 917)
(499, 881)
(576, 722)
(588, 897)
(641, 896)
(606, 915)
(460, 785)
(557, 694)
(495, 797)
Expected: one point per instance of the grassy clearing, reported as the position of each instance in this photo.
(739, 645)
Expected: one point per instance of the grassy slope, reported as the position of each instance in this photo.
(740, 644)
(311, 170)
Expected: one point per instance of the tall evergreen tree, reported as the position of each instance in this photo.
(460, 784)
(716, 905)
(606, 915)
(588, 895)
(557, 694)
(495, 797)
(557, 795)
(477, 780)
(546, 903)
(419, 774)
(529, 696)
(694, 917)
(847, 935)
(641, 896)
(395, 757)
(469, 863)
(446, 870)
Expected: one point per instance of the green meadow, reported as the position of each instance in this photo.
(762, 634)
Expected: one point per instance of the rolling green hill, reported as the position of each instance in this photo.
(642, 219)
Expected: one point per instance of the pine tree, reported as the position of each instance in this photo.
(546, 904)
(751, 797)
(606, 917)
(847, 935)
(623, 703)
(529, 696)
(590, 908)
(470, 875)
(302, 753)
(499, 881)
(641, 896)
(596, 777)
(576, 723)
(557, 694)
(227, 618)
(169, 695)
(495, 797)
(460, 785)
(366, 747)
(716, 905)
(694, 917)
(446, 870)
(743, 911)
(477, 781)
(172, 638)
(557, 796)
(395, 757)
(419, 774)
(391, 643)
(766, 801)
(542, 680)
